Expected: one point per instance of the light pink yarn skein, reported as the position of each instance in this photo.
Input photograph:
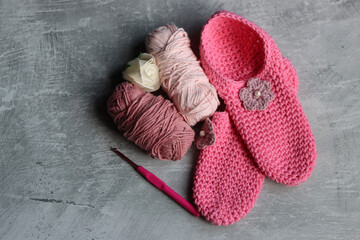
(181, 75)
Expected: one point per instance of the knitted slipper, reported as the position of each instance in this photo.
(224, 201)
(244, 64)
(227, 181)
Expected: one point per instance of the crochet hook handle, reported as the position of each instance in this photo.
(158, 183)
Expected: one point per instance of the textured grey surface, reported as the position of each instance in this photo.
(59, 61)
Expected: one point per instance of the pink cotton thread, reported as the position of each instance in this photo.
(181, 75)
(151, 122)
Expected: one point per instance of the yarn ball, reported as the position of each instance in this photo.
(151, 122)
(181, 75)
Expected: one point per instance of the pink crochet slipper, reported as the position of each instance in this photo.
(244, 64)
(224, 201)
(227, 181)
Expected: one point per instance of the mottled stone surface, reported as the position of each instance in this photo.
(60, 60)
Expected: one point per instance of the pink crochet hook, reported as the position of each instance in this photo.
(157, 182)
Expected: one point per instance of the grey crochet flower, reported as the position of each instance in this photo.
(206, 136)
(256, 95)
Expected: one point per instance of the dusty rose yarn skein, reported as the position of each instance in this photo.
(181, 75)
(151, 122)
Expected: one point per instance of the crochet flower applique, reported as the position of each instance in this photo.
(207, 135)
(256, 95)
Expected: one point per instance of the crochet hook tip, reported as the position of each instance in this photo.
(115, 150)
(124, 157)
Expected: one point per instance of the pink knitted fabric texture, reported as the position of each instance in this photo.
(227, 181)
(233, 51)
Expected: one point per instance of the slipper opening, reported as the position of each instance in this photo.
(235, 46)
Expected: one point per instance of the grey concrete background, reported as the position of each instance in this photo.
(60, 60)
